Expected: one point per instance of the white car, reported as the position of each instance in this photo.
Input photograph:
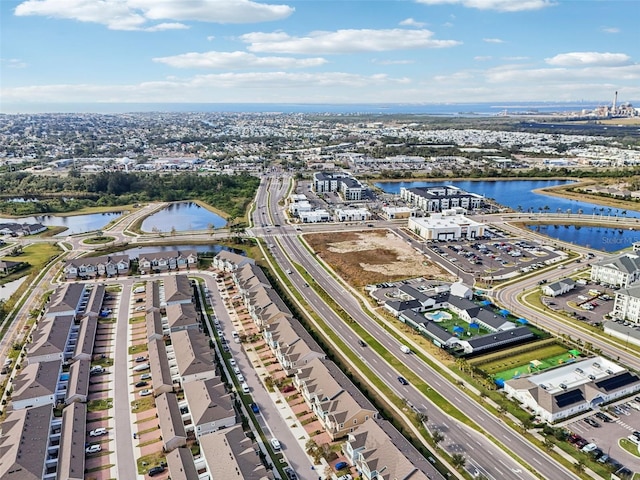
(146, 392)
(232, 362)
(240, 377)
(275, 444)
(93, 449)
(97, 432)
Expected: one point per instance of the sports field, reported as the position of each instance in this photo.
(534, 366)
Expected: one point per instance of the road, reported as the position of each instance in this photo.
(459, 439)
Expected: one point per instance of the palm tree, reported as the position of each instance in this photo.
(437, 437)
(458, 460)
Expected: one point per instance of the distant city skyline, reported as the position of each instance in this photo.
(61, 52)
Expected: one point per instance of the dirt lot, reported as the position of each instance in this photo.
(375, 256)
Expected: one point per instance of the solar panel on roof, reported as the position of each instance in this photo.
(569, 398)
(614, 383)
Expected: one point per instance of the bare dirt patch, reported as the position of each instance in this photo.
(374, 256)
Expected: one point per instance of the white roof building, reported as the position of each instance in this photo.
(440, 226)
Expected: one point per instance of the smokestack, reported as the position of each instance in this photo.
(615, 102)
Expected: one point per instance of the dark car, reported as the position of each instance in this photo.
(362, 343)
(403, 381)
(290, 473)
(141, 359)
(156, 470)
(288, 388)
(141, 384)
(255, 408)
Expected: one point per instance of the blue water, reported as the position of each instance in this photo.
(64, 376)
(517, 193)
(445, 109)
(74, 223)
(182, 216)
(598, 238)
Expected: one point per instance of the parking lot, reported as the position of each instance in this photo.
(496, 257)
(587, 303)
(605, 430)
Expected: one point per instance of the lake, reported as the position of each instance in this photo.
(598, 238)
(74, 223)
(514, 194)
(182, 216)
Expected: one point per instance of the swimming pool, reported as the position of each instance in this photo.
(438, 316)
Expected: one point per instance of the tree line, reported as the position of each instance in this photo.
(229, 193)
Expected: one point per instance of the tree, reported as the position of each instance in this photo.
(437, 437)
(458, 461)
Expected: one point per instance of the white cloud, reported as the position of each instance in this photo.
(499, 5)
(410, 22)
(236, 60)
(344, 41)
(610, 30)
(210, 38)
(226, 87)
(13, 63)
(481, 58)
(492, 40)
(578, 59)
(167, 26)
(392, 62)
(138, 14)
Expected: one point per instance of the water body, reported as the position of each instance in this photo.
(10, 288)
(74, 223)
(182, 216)
(213, 248)
(445, 109)
(517, 193)
(598, 238)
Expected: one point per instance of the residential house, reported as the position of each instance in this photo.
(334, 407)
(194, 357)
(24, 444)
(7, 267)
(68, 299)
(78, 383)
(240, 454)
(167, 260)
(171, 426)
(182, 316)
(54, 338)
(92, 267)
(181, 464)
(376, 457)
(85, 339)
(291, 351)
(156, 329)
(159, 367)
(559, 288)
(210, 405)
(38, 384)
(178, 290)
(229, 262)
(71, 465)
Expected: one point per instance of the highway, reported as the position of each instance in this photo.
(478, 450)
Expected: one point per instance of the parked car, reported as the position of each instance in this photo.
(341, 465)
(97, 432)
(290, 473)
(232, 362)
(156, 470)
(95, 448)
(255, 408)
(145, 376)
(275, 443)
(141, 384)
(141, 359)
(288, 388)
(146, 392)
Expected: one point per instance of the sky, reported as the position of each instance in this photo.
(317, 51)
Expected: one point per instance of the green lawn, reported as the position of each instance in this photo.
(518, 360)
(36, 255)
(525, 368)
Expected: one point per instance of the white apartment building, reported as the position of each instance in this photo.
(627, 304)
(620, 271)
(352, 214)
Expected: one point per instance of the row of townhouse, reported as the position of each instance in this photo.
(93, 267)
(181, 360)
(170, 260)
(34, 443)
(367, 446)
(20, 229)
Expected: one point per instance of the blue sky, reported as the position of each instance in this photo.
(230, 51)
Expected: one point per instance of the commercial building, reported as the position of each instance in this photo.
(448, 225)
(572, 388)
(559, 288)
(352, 214)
